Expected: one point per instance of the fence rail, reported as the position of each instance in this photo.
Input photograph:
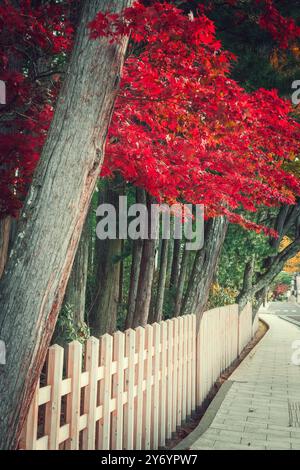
(133, 389)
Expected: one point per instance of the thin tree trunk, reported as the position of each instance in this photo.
(143, 299)
(76, 289)
(274, 265)
(170, 261)
(5, 226)
(204, 267)
(33, 287)
(181, 283)
(75, 296)
(161, 281)
(175, 264)
(247, 284)
(259, 299)
(121, 277)
(103, 317)
(137, 250)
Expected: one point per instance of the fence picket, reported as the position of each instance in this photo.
(90, 395)
(118, 389)
(53, 407)
(189, 366)
(163, 385)
(106, 349)
(180, 372)
(74, 367)
(30, 431)
(130, 376)
(140, 345)
(173, 373)
(155, 394)
(194, 361)
(148, 392)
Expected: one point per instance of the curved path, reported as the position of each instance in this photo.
(259, 406)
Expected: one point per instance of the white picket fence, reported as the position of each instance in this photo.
(132, 390)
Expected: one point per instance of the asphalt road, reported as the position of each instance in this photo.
(289, 311)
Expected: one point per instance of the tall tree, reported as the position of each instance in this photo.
(103, 316)
(32, 291)
(137, 250)
(181, 283)
(204, 267)
(286, 223)
(146, 272)
(161, 287)
(75, 295)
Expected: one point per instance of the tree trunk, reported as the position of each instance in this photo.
(75, 296)
(170, 261)
(5, 225)
(33, 288)
(161, 281)
(204, 266)
(121, 277)
(247, 284)
(181, 283)
(137, 250)
(175, 264)
(143, 299)
(103, 317)
(259, 299)
(274, 265)
(76, 288)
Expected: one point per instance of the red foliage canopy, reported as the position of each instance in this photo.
(31, 39)
(184, 130)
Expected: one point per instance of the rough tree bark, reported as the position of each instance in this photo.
(75, 295)
(33, 288)
(76, 289)
(143, 299)
(175, 263)
(287, 221)
(158, 313)
(5, 226)
(137, 250)
(103, 317)
(247, 283)
(205, 264)
(170, 260)
(264, 280)
(181, 282)
(259, 299)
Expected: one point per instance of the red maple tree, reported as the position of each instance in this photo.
(183, 129)
(32, 38)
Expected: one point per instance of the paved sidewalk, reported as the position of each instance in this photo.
(259, 406)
